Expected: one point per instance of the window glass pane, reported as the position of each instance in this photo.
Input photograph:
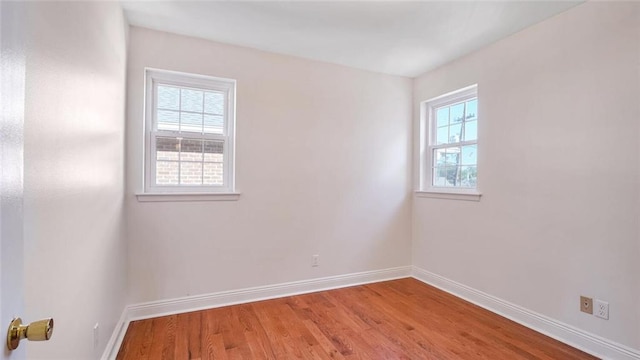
(440, 156)
(455, 177)
(192, 100)
(168, 98)
(167, 173)
(214, 174)
(191, 150)
(168, 120)
(213, 124)
(471, 130)
(470, 155)
(454, 133)
(457, 113)
(442, 116)
(167, 148)
(190, 173)
(191, 122)
(452, 156)
(439, 176)
(213, 151)
(449, 173)
(214, 103)
(442, 135)
(469, 176)
(472, 109)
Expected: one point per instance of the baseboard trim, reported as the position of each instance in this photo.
(241, 296)
(111, 350)
(580, 339)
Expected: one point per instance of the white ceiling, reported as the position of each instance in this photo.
(393, 37)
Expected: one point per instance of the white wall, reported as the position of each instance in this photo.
(323, 164)
(75, 253)
(559, 170)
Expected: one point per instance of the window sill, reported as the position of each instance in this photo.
(171, 197)
(469, 196)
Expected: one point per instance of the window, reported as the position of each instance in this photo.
(449, 126)
(189, 127)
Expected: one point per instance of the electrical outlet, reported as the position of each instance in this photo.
(586, 304)
(96, 337)
(315, 259)
(601, 309)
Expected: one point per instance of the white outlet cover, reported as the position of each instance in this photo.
(601, 309)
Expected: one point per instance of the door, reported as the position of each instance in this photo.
(12, 80)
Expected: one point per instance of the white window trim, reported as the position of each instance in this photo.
(153, 192)
(427, 137)
(468, 196)
(171, 197)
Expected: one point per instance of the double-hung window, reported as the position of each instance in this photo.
(189, 128)
(450, 143)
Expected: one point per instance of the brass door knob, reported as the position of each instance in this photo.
(40, 330)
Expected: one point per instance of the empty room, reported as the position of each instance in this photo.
(320, 179)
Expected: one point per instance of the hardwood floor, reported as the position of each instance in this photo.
(399, 319)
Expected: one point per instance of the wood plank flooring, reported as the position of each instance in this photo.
(399, 319)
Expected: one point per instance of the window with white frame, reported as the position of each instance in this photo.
(189, 128)
(450, 130)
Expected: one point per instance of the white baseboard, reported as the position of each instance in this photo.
(111, 350)
(233, 297)
(580, 339)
